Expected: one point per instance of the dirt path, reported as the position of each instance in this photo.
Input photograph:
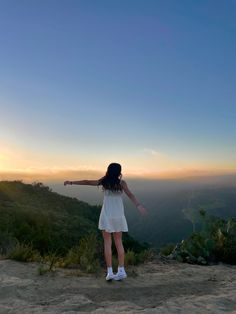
(158, 287)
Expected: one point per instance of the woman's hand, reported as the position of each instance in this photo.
(142, 209)
(67, 182)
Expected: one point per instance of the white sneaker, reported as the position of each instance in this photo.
(109, 277)
(120, 276)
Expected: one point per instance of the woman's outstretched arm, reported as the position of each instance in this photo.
(82, 182)
(127, 191)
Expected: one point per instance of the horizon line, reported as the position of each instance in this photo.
(63, 174)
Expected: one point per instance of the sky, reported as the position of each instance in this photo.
(149, 84)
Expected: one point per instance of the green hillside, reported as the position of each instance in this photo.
(49, 222)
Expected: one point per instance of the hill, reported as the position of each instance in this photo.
(48, 221)
(172, 212)
(166, 221)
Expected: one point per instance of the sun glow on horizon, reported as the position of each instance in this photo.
(49, 174)
(90, 103)
(17, 163)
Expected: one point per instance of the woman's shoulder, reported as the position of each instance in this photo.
(123, 183)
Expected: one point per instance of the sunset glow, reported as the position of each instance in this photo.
(145, 85)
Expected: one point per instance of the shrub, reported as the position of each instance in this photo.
(42, 269)
(48, 262)
(167, 249)
(131, 258)
(85, 254)
(146, 255)
(196, 249)
(73, 257)
(215, 242)
(24, 253)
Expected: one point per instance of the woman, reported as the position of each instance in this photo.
(112, 218)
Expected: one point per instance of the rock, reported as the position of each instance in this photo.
(161, 286)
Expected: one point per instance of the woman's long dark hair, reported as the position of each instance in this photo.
(112, 179)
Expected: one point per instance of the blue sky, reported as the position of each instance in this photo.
(148, 83)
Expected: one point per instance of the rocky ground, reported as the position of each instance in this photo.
(156, 287)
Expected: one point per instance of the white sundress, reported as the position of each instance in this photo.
(112, 217)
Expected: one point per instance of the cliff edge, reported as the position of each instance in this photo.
(157, 287)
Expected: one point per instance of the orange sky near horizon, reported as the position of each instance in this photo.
(117, 83)
(16, 163)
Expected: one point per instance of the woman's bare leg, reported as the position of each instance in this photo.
(119, 247)
(107, 248)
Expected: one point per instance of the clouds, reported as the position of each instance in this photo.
(154, 152)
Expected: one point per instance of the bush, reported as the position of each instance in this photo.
(24, 253)
(225, 237)
(85, 255)
(146, 255)
(48, 262)
(196, 249)
(215, 242)
(167, 249)
(131, 258)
